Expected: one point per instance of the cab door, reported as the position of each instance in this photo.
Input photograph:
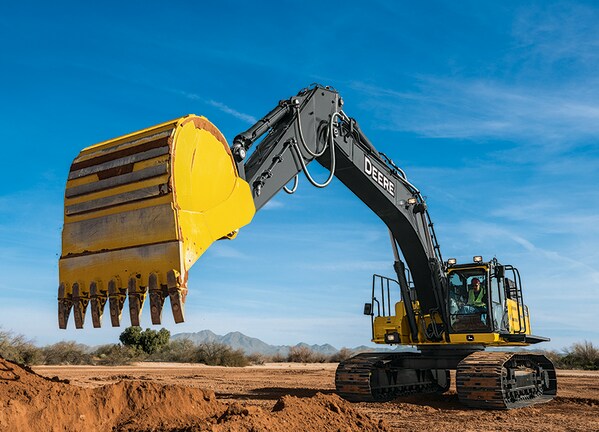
(499, 311)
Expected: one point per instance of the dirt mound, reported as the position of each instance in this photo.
(321, 413)
(31, 402)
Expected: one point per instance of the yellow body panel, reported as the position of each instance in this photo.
(398, 323)
(517, 324)
(139, 211)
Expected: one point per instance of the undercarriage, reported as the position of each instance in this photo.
(488, 380)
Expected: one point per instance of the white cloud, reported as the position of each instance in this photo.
(467, 108)
(228, 110)
(222, 250)
(273, 204)
(544, 90)
(555, 32)
(552, 217)
(247, 118)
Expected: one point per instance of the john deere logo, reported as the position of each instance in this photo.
(378, 176)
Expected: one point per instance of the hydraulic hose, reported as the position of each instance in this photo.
(303, 141)
(294, 188)
(331, 146)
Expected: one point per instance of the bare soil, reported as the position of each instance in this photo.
(272, 397)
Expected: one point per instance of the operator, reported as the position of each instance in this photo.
(476, 300)
(476, 295)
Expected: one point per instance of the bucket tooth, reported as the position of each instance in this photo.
(177, 295)
(137, 297)
(98, 298)
(65, 304)
(158, 294)
(116, 300)
(80, 302)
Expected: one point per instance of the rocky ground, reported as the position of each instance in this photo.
(272, 397)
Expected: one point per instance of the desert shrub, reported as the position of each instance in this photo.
(278, 358)
(581, 355)
(303, 354)
(179, 351)
(216, 354)
(117, 354)
(19, 349)
(341, 355)
(149, 341)
(300, 354)
(67, 353)
(320, 358)
(556, 358)
(257, 358)
(209, 353)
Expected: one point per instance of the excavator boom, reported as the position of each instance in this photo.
(142, 208)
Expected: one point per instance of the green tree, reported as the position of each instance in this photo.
(131, 337)
(148, 341)
(152, 341)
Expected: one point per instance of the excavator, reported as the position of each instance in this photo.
(142, 208)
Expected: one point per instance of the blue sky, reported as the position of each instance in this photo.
(490, 107)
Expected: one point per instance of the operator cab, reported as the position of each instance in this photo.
(482, 299)
(468, 300)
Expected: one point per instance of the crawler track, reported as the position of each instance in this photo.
(499, 380)
(377, 377)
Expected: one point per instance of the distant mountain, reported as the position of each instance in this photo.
(251, 345)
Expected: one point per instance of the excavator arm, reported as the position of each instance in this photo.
(312, 126)
(169, 191)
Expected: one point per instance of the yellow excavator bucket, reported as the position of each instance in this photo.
(139, 211)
